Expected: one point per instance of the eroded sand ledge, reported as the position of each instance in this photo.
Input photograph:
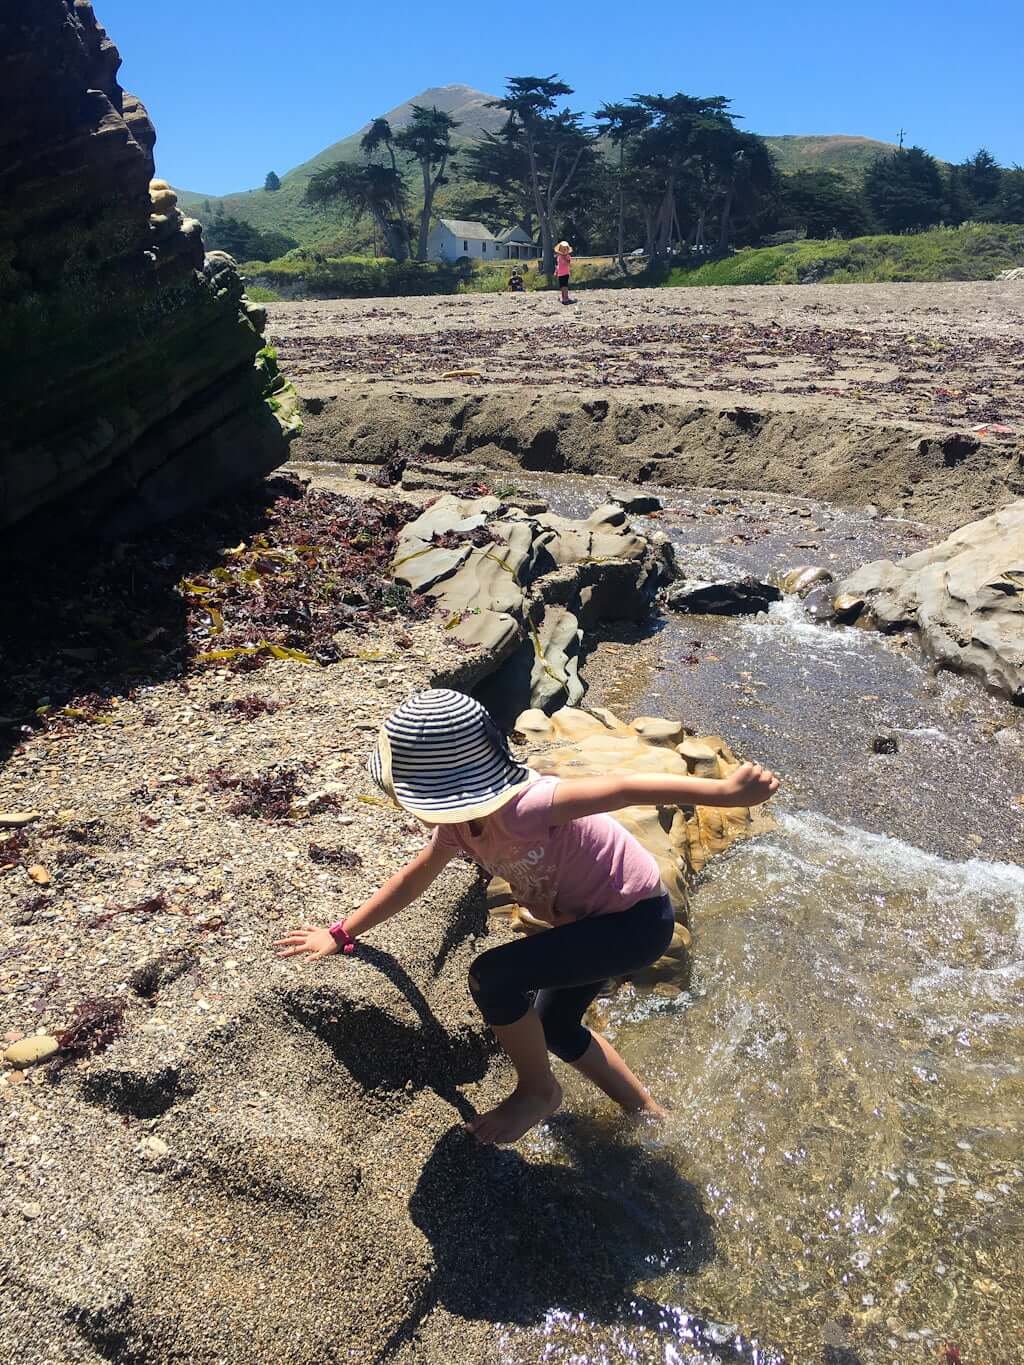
(852, 393)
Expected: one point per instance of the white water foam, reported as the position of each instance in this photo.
(789, 617)
(810, 847)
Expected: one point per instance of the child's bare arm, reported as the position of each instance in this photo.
(749, 785)
(399, 891)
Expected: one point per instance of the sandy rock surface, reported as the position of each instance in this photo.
(514, 589)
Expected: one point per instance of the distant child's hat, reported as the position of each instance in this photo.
(442, 758)
(565, 248)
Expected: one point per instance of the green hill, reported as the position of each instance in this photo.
(975, 251)
(830, 152)
(284, 210)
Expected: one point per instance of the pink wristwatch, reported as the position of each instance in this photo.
(346, 943)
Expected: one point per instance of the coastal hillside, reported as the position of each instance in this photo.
(285, 211)
(850, 156)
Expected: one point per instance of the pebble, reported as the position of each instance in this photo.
(155, 1146)
(31, 1210)
(31, 1050)
(16, 819)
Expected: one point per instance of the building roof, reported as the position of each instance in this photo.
(514, 234)
(459, 227)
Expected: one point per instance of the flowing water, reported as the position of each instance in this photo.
(846, 1073)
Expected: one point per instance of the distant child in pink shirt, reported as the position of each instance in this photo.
(441, 758)
(563, 267)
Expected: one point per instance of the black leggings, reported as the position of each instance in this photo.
(567, 967)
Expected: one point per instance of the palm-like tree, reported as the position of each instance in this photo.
(428, 137)
(621, 123)
(371, 189)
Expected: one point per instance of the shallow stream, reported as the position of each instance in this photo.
(847, 1072)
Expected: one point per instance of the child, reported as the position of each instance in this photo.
(515, 282)
(441, 758)
(563, 265)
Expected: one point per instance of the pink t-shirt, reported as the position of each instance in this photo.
(561, 873)
(563, 263)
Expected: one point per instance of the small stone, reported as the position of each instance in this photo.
(28, 1051)
(884, 744)
(155, 1146)
(39, 874)
(637, 503)
(16, 819)
(847, 606)
(31, 1209)
(801, 579)
(656, 730)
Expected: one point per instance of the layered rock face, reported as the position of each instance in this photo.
(965, 597)
(575, 743)
(136, 382)
(520, 589)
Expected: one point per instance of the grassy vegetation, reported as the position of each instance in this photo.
(973, 252)
(304, 275)
(493, 279)
(258, 293)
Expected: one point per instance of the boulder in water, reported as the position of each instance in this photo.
(520, 589)
(637, 503)
(818, 603)
(577, 743)
(800, 580)
(744, 597)
(964, 597)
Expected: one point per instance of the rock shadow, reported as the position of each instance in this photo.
(511, 1239)
(82, 620)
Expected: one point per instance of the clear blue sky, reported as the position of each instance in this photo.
(236, 89)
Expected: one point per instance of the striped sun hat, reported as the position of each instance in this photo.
(442, 758)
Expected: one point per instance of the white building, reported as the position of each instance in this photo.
(517, 245)
(453, 238)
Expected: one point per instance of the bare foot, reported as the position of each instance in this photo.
(523, 1110)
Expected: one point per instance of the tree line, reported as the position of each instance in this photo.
(670, 175)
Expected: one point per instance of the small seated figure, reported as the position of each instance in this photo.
(515, 283)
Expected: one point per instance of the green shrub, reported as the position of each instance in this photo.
(357, 276)
(974, 251)
(258, 294)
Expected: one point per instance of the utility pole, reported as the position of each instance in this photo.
(901, 139)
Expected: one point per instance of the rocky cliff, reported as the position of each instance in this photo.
(136, 381)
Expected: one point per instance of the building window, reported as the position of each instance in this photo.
(483, 248)
(465, 247)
